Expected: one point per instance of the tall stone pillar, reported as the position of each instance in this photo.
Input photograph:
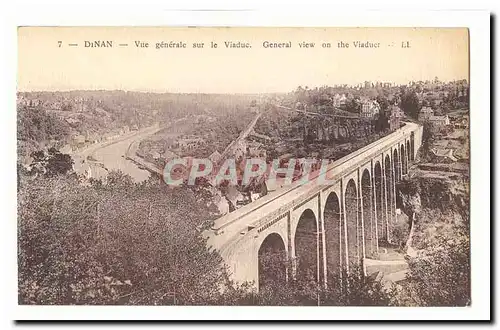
(290, 269)
(344, 222)
(401, 162)
(386, 199)
(374, 214)
(393, 201)
(321, 246)
(407, 157)
(342, 249)
(292, 258)
(360, 220)
(360, 243)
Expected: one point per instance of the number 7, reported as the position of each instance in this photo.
(60, 43)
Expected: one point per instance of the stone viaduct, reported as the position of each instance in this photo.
(321, 228)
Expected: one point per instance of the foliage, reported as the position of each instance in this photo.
(116, 178)
(35, 124)
(360, 291)
(137, 244)
(46, 116)
(36, 127)
(120, 243)
(399, 235)
(353, 105)
(440, 276)
(104, 244)
(439, 272)
(408, 198)
(428, 133)
(382, 122)
(410, 103)
(346, 289)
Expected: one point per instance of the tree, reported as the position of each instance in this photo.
(440, 276)
(409, 201)
(103, 244)
(383, 102)
(382, 122)
(35, 124)
(350, 289)
(117, 178)
(410, 103)
(428, 137)
(51, 162)
(353, 105)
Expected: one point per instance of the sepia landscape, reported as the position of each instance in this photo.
(341, 194)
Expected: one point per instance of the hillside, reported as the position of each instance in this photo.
(68, 118)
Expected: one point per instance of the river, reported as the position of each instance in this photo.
(112, 157)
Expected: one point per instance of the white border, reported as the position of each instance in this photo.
(478, 23)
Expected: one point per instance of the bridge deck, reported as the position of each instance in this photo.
(250, 214)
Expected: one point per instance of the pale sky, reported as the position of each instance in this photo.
(44, 66)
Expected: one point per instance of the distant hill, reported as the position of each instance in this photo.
(55, 118)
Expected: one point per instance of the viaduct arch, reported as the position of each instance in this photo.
(272, 261)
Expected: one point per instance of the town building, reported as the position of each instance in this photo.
(339, 100)
(190, 142)
(168, 155)
(394, 116)
(78, 141)
(255, 149)
(259, 137)
(443, 155)
(460, 123)
(215, 157)
(369, 108)
(425, 114)
(155, 155)
(72, 121)
(439, 120)
(240, 149)
(92, 138)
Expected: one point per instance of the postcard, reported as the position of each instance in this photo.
(244, 166)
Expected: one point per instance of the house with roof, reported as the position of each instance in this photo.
(255, 149)
(339, 100)
(66, 149)
(443, 155)
(369, 108)
(460, 123)
(425, 113)
(259, 137)
(72, 121)
(155, 154)
(215, 157)
(439, 121)
(394, 114)
(78, 141)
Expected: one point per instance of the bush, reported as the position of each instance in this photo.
(51, 163)
(439, 276)
(351, 289)
(112, 245)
